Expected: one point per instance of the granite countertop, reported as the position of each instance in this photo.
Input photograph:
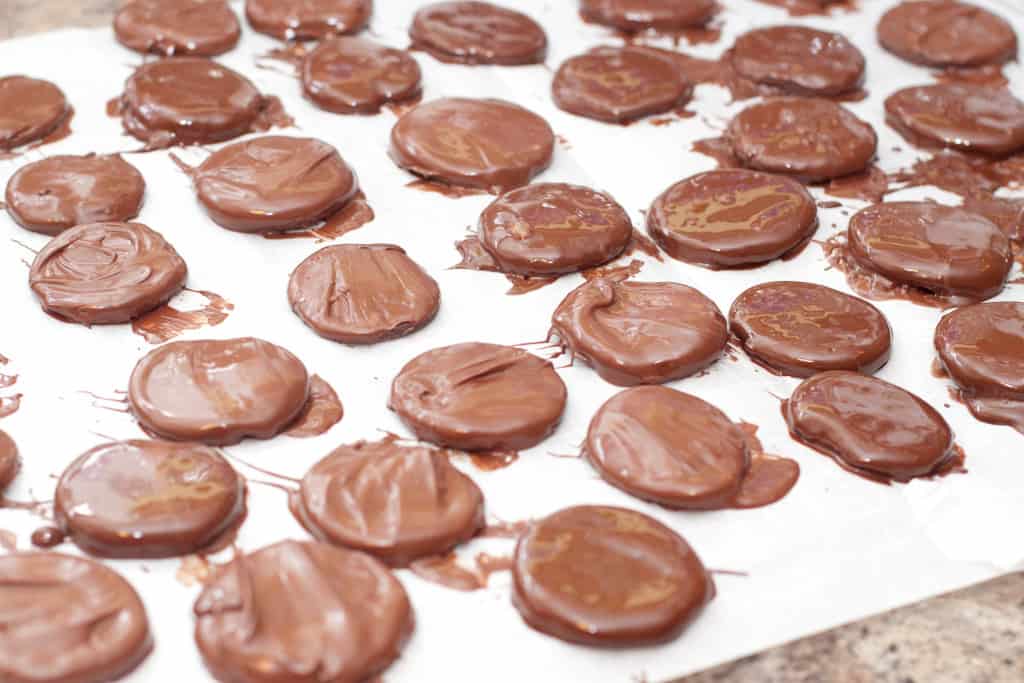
(974, 635)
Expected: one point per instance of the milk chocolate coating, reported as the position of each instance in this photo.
(808, 138)
(798, 59)
(638, 15)
(946, 33)
(363, 293)
(218, 391)
(358, 76)
(10, 463)
(729, 218)
(145, 499)
(177, 27)
(307, 19)
(553, 228)
(60, 192)
(30, 109)
(274, 183)
(397, 502)
(479, 397)
(478, 33)
(799, 329)
(619, 84)
(966, 117)
(488, 144)
(941, 249)
(640, 332)
(68, 619)
(189, 101)
(869, 425)
(608, 576)
(301, 612)
(102, 273)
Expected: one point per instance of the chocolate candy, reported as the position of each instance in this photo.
(30, 109)
(148, 499)
(941, 249)
(808, 138)
(106, 273)
(68, 619)
(960, 116)
(638, 15)
(619, 84)
(869, 426)
(273, 184)
(478, 33)
(177, 27)
(218, 391)
(553, 228)
(363, 293)
(799, 60)
(487, 144)
(307, 19)
(640, 332)
(729, 218)
(608, 576)
(946, 33)
(302, 613)
(59, 192)
(479, 397)
(398, 502)
(799, 329)
(357, 76)
(10, 463)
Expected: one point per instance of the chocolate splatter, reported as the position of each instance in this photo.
(167, 322)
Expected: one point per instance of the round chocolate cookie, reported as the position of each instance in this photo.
(940, 249)
(668, 447)
(397, 502)
(60, 192)
(470, 32)
(307, 19)
(799, 329)
(363, 293)
(10, 463)
(102, 273)
(30, 109)
(488, 144)
(479, 397)
(68, 619)
(188, 101)
(638, 15)
(553, 228)
(144, 499)
(946, 33)
(357, 76)
(640, 332)
(970, 118)
(799, 60)
(177, 27)
(619, 84)
(868, 425)
(301, 613)
(735, 217)
(218, 391)
(809, 138)
(273, 184)
(607, 576)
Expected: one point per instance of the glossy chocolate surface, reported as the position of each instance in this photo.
(106, 273)
(487, 144)
(30, 109)
(10, 462)
(356, 76)
(307, 19)
(202, 28)
(144, 499)
(608, 576)
(638, 15)
(478, 397)
(730, 218)
(59, 192)
(799, 60)
(799, 329)
(363, 293)
(218, 391)
(470, 32)
(947, 33)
